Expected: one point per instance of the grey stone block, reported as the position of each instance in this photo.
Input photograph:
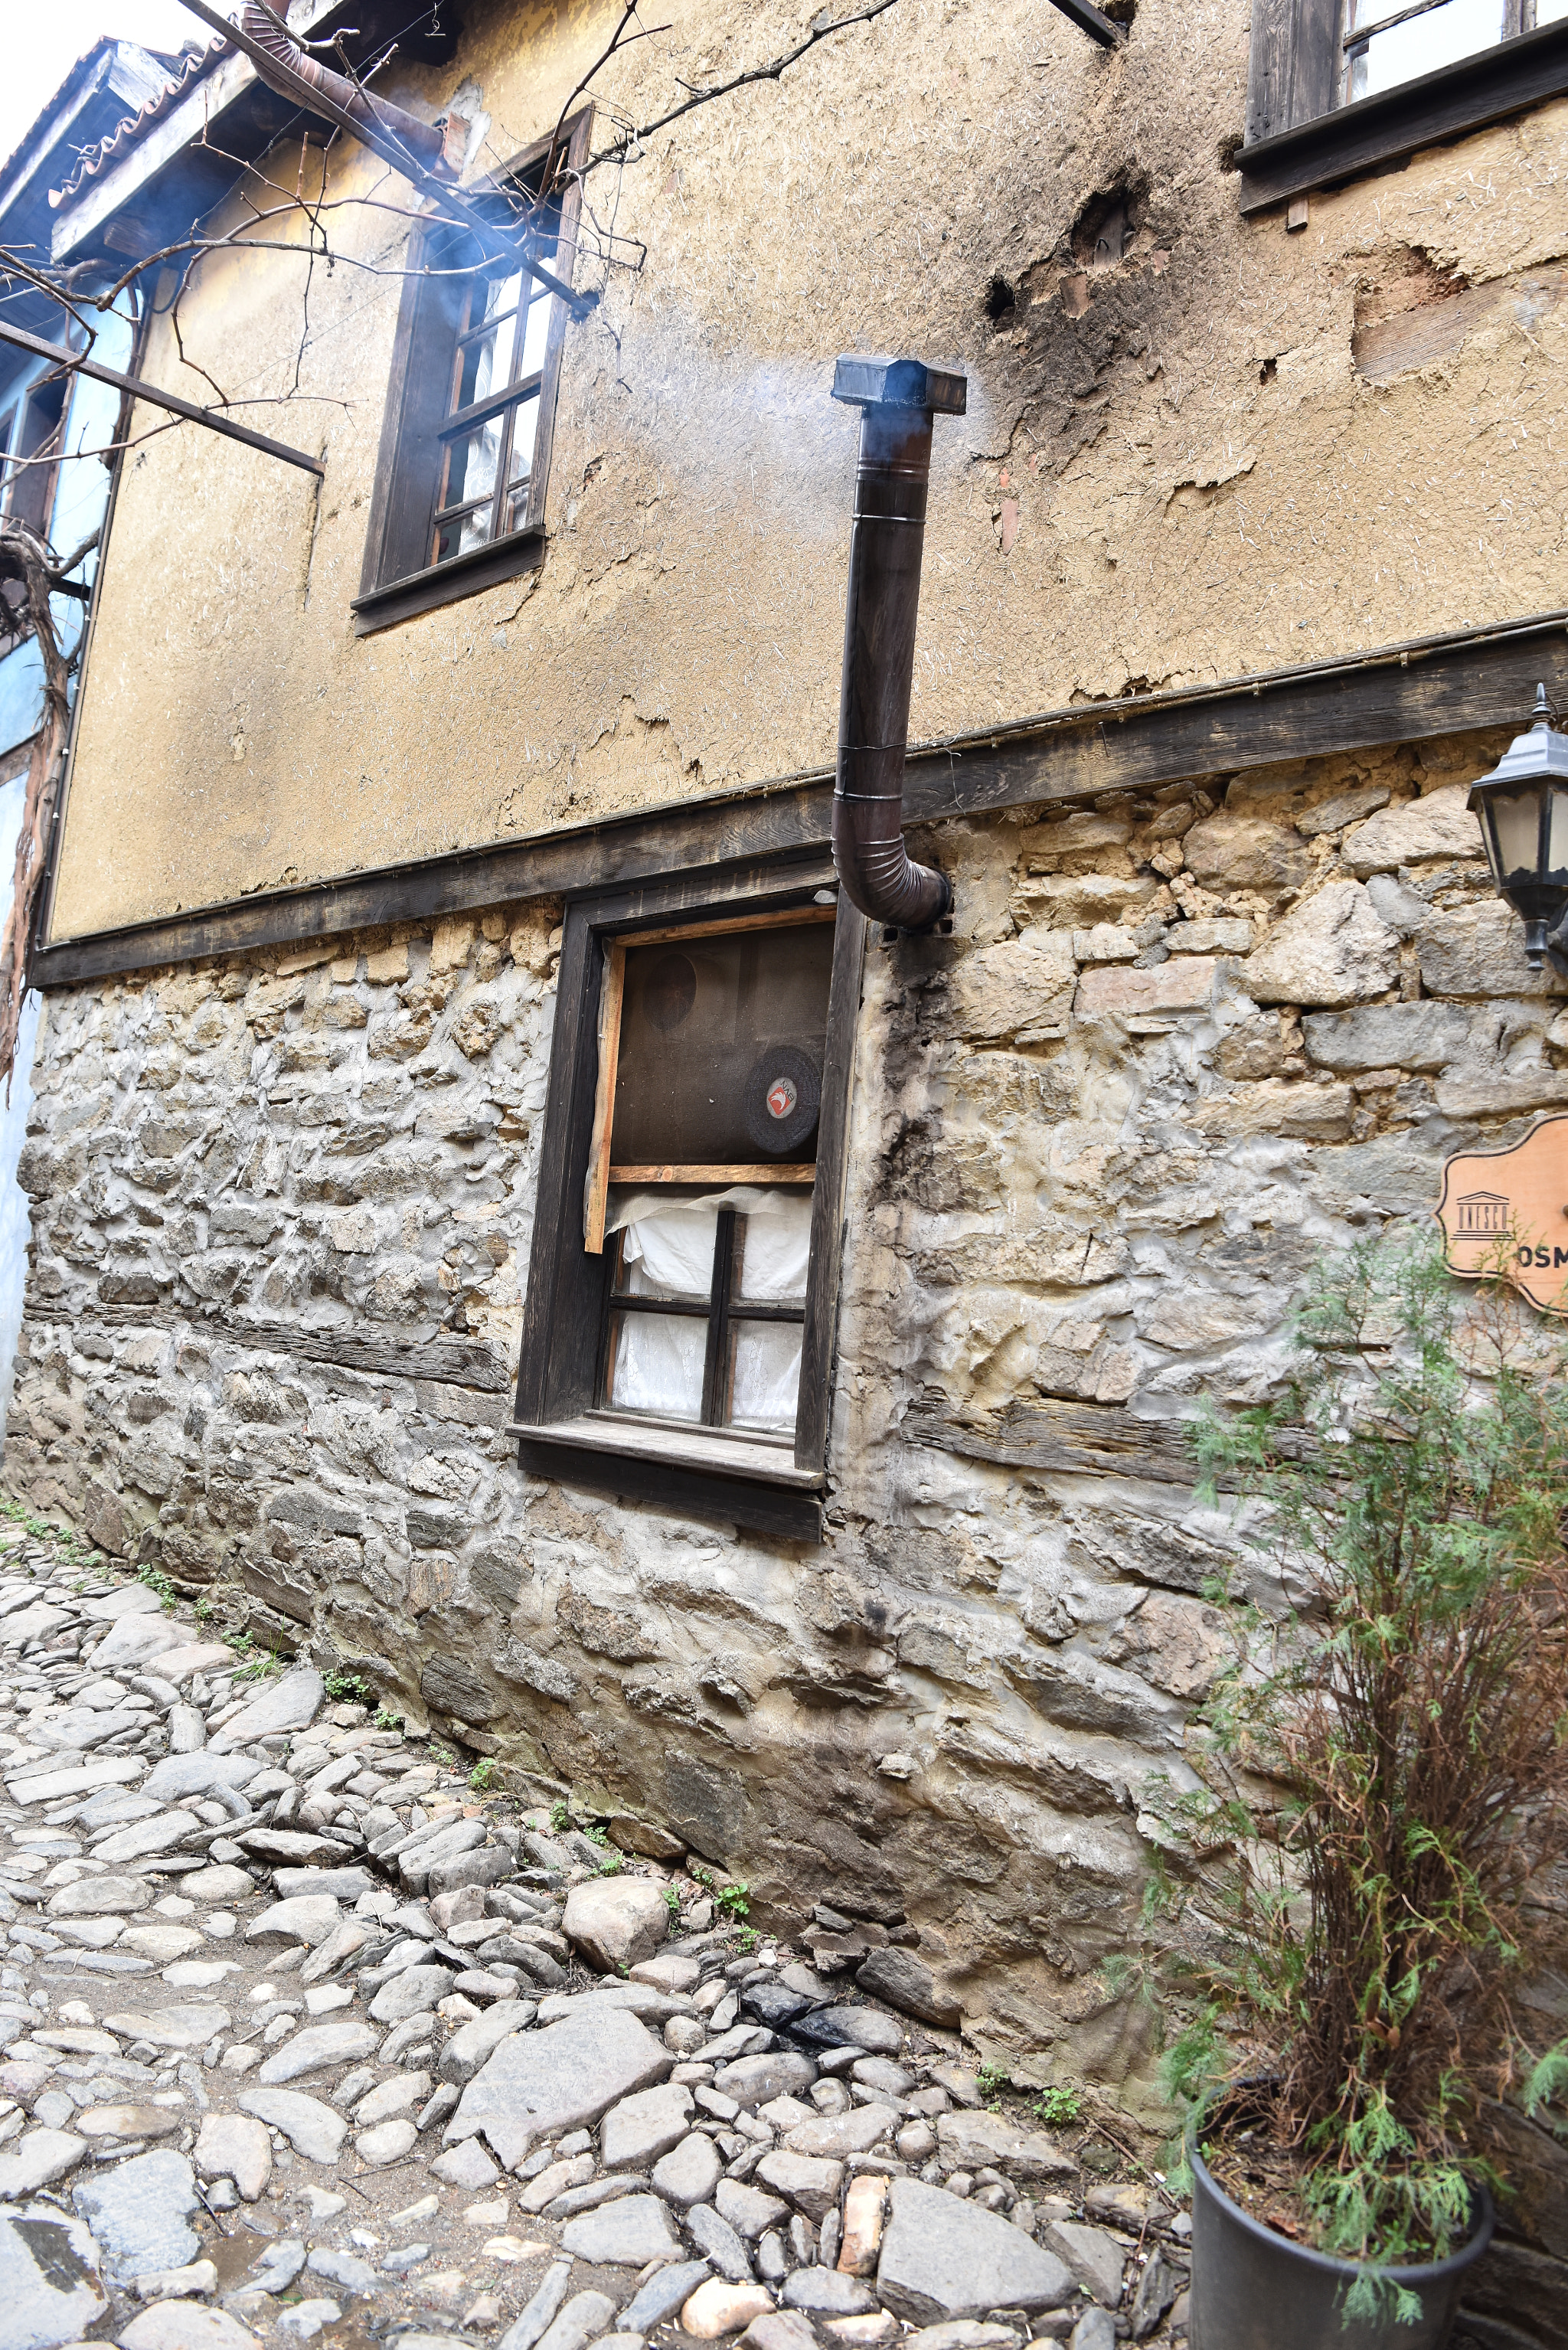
(656, 2302)
(137, 2212)
(539, 2084)
(627, 2233)
(943, 2258)
(49, 2284)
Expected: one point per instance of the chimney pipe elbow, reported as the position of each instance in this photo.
(898, 400)
(399, 137)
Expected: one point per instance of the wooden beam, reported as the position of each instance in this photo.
(1349, 140)
(1475, 679)
(1101, 1440)
(387, 1355)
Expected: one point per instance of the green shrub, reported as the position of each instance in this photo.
(1388, 1774)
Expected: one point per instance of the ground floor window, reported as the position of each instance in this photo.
(682, 1287)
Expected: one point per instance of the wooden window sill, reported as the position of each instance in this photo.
(443, 583)
(683, 1443)
(737, 1480)
(1465, 96)
(772, 1172)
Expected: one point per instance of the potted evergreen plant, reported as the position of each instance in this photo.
(1384, 1778)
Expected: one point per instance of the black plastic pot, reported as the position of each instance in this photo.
(1254, 2290)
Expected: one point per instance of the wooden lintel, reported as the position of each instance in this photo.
(450, 1362)
(1480, 678)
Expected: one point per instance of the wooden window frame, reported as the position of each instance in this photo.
(1298, 138)
(22, 479)
(563, 1434)
(393, 587)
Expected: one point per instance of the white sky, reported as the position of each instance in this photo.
(43, 41)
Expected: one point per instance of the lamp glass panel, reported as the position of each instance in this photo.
(1557, 836)
(1512, 830)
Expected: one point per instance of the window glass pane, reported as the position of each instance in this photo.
(1550, 11)
(525, 425)
(656, 1364)
(502, 295)
(1557, 838)
(471, 463)
(486, 364)
(774, 1249)
(461, 532)
(1438, 37)
(670, 1256)
(538, 332)
(765, 1375)
(708, 1027)
(1517, 833)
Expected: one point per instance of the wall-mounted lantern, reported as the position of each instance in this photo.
(1522, 806)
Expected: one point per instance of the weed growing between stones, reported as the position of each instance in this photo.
(990, 2080)
(1389, 1772)
(1057, 2108)
(351, 1688)
(157, 1582)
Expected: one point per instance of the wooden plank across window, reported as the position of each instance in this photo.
(612, 992)
(771, 1173)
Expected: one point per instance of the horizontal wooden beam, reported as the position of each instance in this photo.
(1096, 1439)
(1503, 80)
(385, 1354)
(1454, 684)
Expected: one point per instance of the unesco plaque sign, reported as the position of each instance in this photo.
(1506, 1212)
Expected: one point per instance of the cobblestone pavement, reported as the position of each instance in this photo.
(303, 2038)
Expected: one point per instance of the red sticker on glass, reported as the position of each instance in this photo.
(782, 1098)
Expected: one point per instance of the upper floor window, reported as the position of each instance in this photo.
(459, 499)
(1336, 87)
(31, 431)
(486, 484)
(1386, 42)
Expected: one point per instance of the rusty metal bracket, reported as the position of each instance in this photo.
(79, 364)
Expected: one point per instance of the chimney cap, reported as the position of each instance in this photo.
(865, 382)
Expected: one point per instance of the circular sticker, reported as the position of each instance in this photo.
(780, 1101)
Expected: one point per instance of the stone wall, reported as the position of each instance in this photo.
(281, 1216)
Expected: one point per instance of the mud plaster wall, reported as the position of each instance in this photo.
(1097, 1140)
(1228, 450)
